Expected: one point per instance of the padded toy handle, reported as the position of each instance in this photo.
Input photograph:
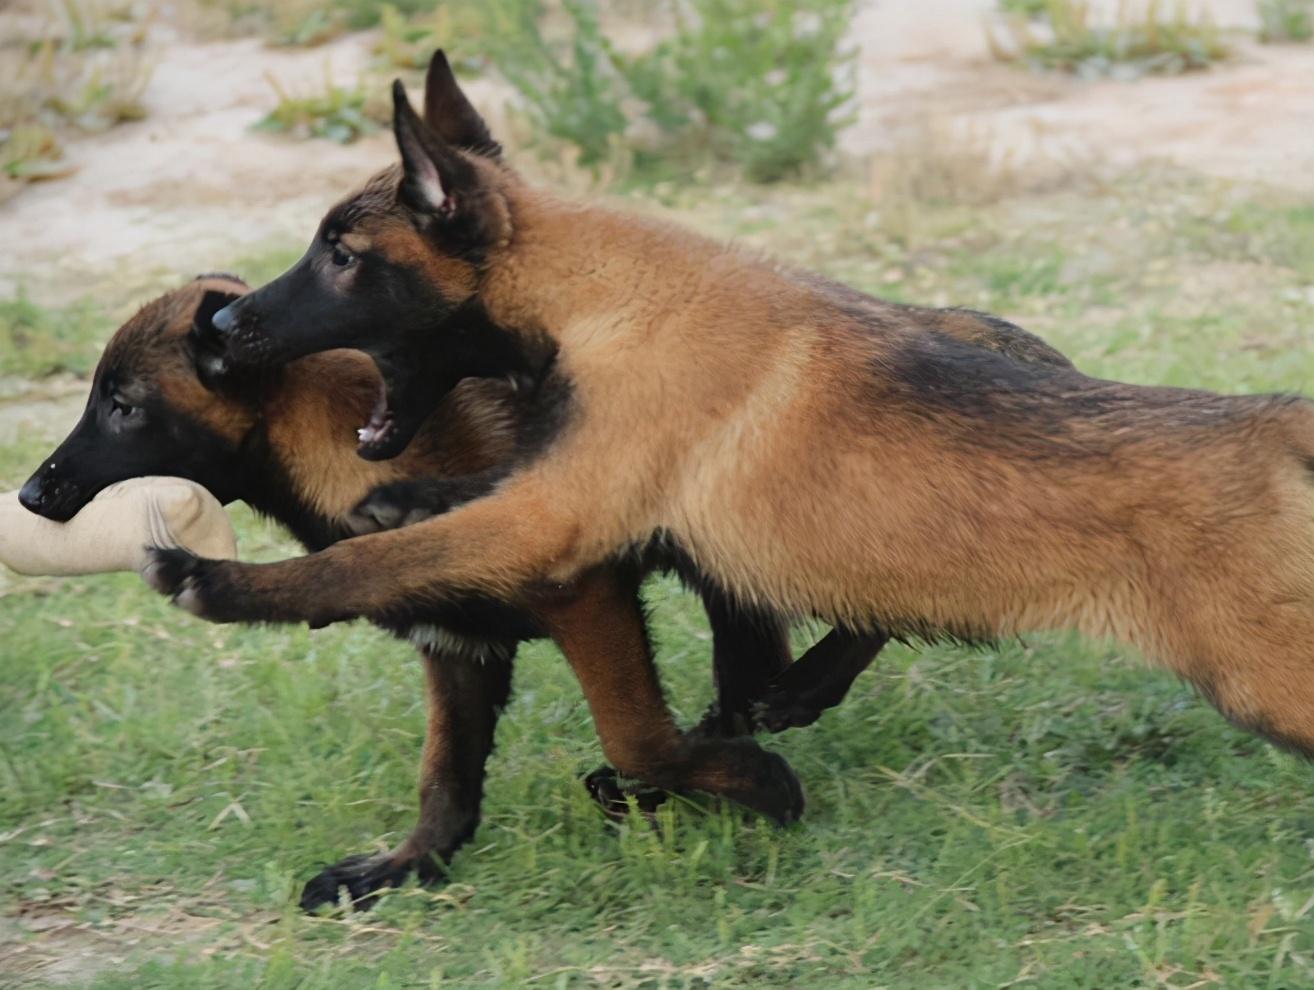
(113, 530)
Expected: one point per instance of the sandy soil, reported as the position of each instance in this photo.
(1251, 119)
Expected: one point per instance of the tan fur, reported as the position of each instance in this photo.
(401, 245)
(776, 431)
(311, 410)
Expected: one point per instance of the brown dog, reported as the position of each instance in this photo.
(164, 402)
(811, 451)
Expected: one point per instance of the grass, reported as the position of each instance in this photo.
(1286, 20)
(763, 87)
(1064, 36)
(86, 71)
(37, 342)
(333, 112)
(1047, 814)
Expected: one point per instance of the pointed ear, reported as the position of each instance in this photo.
(450, 114)
(434, 175)
(203, 340)
(213, 301)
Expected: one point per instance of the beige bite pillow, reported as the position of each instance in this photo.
(112, 531)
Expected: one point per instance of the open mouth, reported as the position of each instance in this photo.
(375, 437)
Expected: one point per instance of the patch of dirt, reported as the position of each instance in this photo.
(191, 187)
(1248, 119)
(44, 410)
(44, 943)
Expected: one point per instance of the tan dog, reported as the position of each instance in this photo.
(812, 450)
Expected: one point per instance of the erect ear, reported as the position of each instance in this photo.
(434, 175)
(206, 346)
(450, 114)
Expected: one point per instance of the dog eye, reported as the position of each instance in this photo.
(341, 257)
(120, 408)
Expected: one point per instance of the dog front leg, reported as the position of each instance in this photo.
(495, 546)
(598, 623)
(463, 697)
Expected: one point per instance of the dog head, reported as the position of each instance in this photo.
(162, 402)
(394, 270)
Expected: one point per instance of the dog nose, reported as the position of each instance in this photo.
(224, 319)
(32, 494)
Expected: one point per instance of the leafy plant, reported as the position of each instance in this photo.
(1286, 20)
(460, 29)
(1134, 44)
(1026, 8)
(763, 85)
(305, 27)
(334, 113)
(35, 342)
(573, 96)
(27, 153)
(86, 72)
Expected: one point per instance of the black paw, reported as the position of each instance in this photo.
(782, 709)
(718, 724)
(402, 503)
(362, 877)
(192, 583)
(761, 780)
(611, 792)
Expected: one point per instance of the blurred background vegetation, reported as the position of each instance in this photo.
(640, 91)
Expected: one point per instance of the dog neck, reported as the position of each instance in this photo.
(305, 471)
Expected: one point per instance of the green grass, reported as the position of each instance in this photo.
(35, 342)
(1048, 814)
(1285, 20)
(1162, 38)
(333, 112)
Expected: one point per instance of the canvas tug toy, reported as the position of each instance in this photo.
(112, 532)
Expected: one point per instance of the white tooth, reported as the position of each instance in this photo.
(362, 433)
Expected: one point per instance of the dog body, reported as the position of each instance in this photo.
(813, 451)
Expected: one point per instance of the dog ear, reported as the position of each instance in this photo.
(206, 346)
(434, 175)
(449, 112)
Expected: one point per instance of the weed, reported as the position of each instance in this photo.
(1134, 44)
(1286, 20)
(333, 112)
(87, 72)
(306, 24)
(461, 29)
(29, 152)
(762, 85)
(35, 341)
(1024, 8)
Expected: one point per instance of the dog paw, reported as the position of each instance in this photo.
(362, 877)
(612, 794)
(777, 711)
(189, 581)
(761, 780)
(780, 793)
(393, 506)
